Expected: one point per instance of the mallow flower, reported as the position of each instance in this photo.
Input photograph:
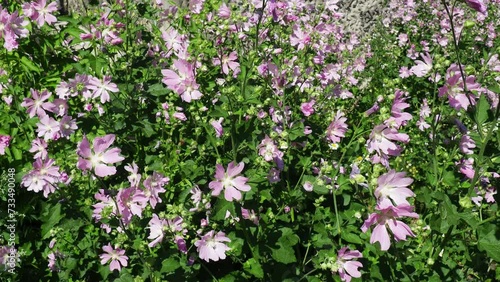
(387, 216)
(230, 181)
(100, 157)
(117, 257)
(212, 247)
(346, 266)
(394, 185)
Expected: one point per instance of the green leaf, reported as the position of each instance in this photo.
(284, 255)
(50, 217)
(221, 207)
(489, 242)
(29, 64)
(253, 267)
(482, 110)
(351, 238)
(288, 237)
(169, 265)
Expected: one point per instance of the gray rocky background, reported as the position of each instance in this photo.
(359, 15)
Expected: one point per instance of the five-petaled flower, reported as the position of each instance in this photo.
(101, 156)
(117, 257)
(212, 247)
(229, 181)
(347, 267)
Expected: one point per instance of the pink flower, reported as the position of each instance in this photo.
(268, 149)
(380, 142)
(40, 12)
(183, 82)
(101, 87)
(131, 201)
(106, 203)
(250, 215)
(158, 227)
(454, 89)
(67, 126)
(466, 167)
(299, 38)
(348, 268)
(467, 145)
(37, 105)
(398, 116)
(44, 176)
(211, 246)
(308, 186)
(423, 67)
(224, 11)
(394, 185)
(337, 129)
(40, 147)
(117, 257)
(230, 181)
(4, 143)
(307, 108)
(217, 125)
(101, 156)
(48, 128)
(135, 177)
(477, 5)
(154, 186)
(387, 217)
(228, 62)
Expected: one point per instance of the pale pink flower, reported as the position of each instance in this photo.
(4, 143)
(228, 62)
(308, 186)
(135, 177)
(183, 82)
(154, 186)
(467, 145)
(307, 108)
(381, 139)
(67, 126)
(44, 176)
(337, 129)
(454, 89)
(159, 227)
(423, 67)
(477, 5)
(117, 257)
(37, 105)
(387, 216)
(268, 149)
(100, 157)
(466, 167)
(224, 11)
(274, 175)
(398, 116)
(41, 12)
(106, 203)
(48, 128)
(212, 247)
(39, 147)
(347, 267)
(229, 181)
(299, 38)
(101, 88)
(217, 125)
(250, 215)
(394, 185)
(131, 201)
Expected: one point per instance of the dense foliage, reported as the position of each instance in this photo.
(252, 142)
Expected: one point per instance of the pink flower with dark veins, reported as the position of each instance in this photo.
(37, 106)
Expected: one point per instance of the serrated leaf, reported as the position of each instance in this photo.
(253, 267)
(489, 242)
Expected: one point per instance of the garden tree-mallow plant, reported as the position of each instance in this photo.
(250, 142)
